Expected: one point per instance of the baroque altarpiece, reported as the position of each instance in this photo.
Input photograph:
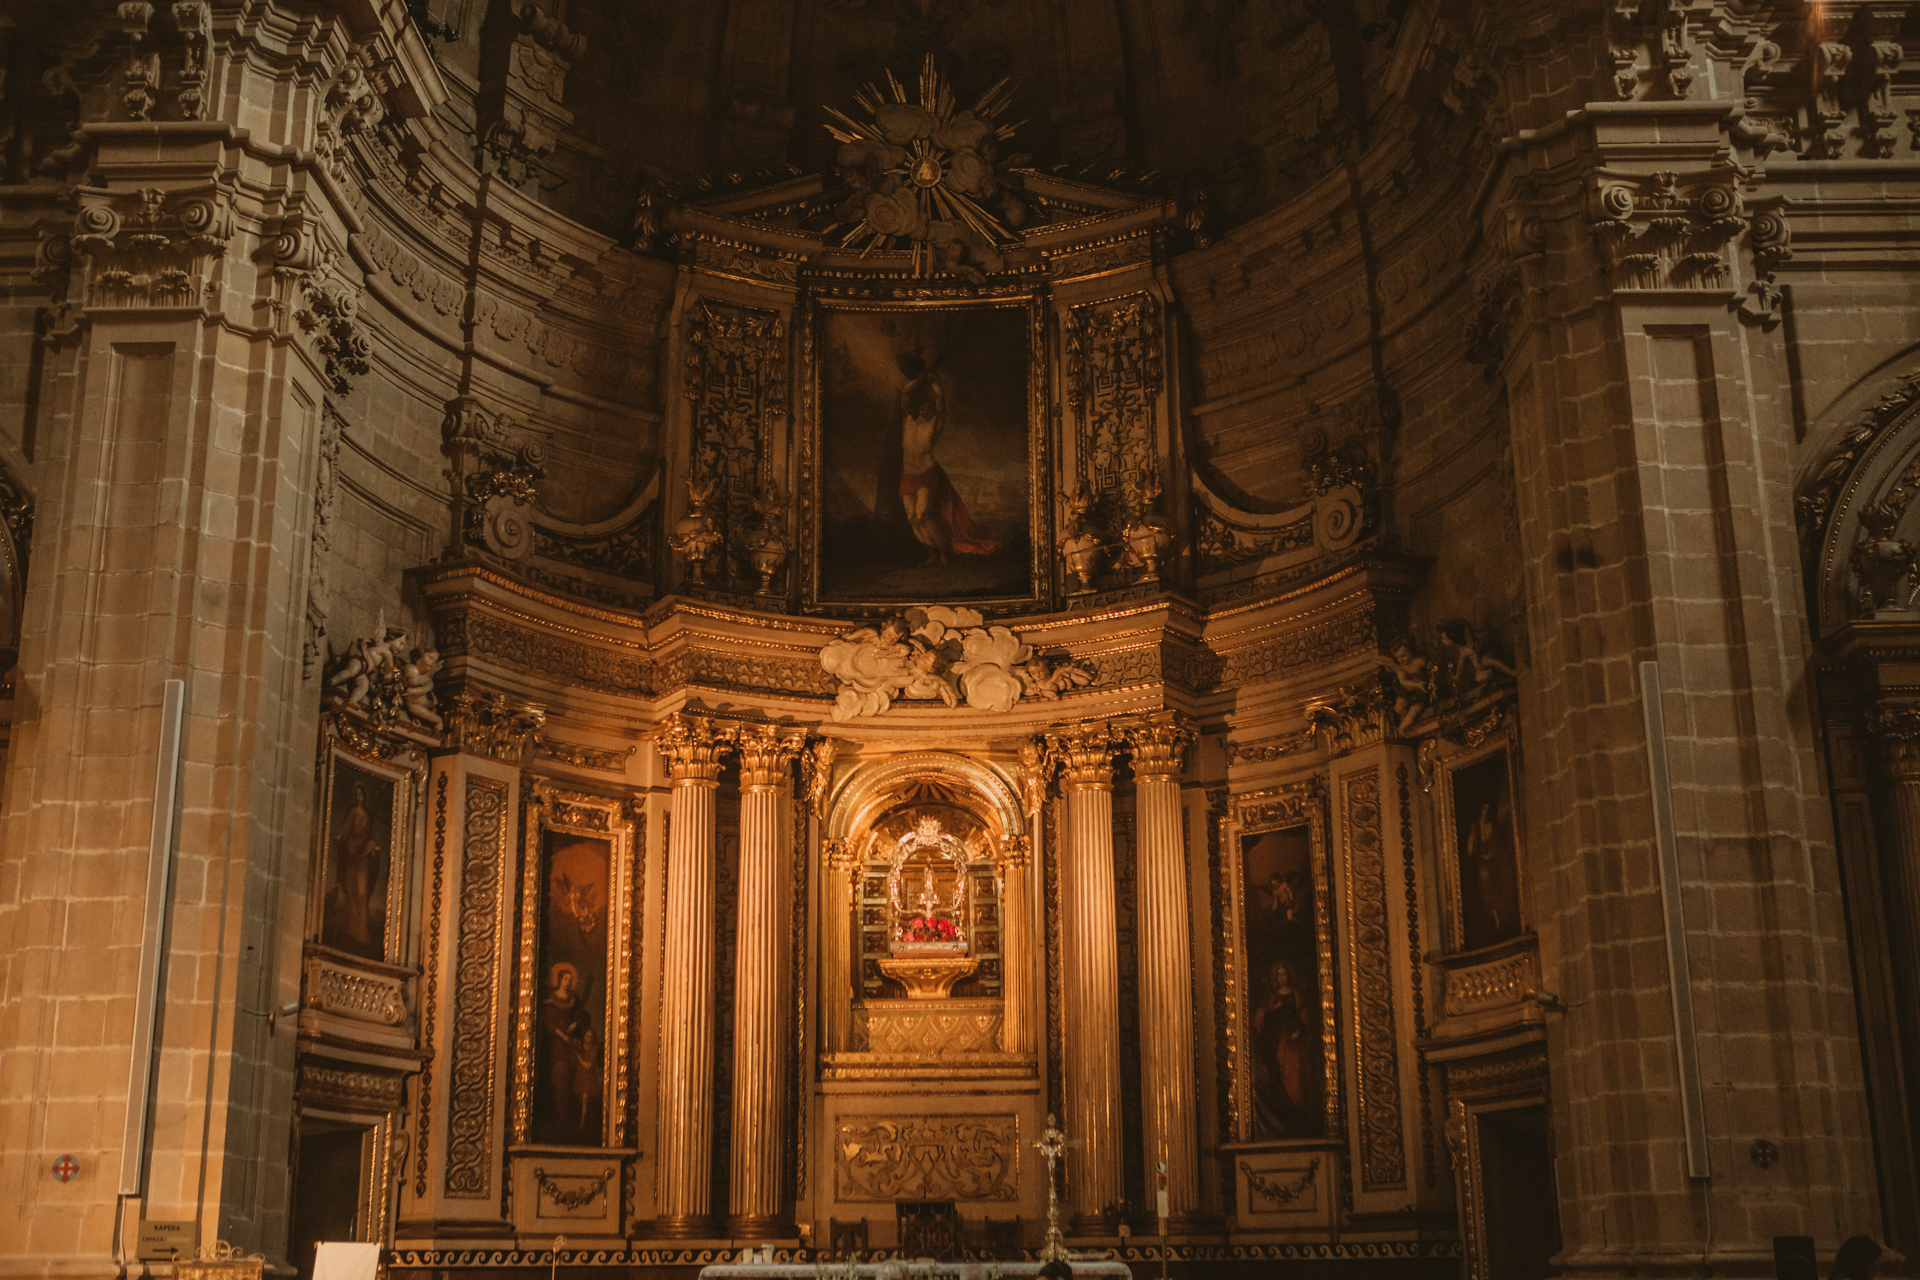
(687, 626)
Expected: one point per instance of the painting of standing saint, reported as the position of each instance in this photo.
(359, 860)
(568, 1097)
(1283, 985)
(924, 451)
(1488, 852)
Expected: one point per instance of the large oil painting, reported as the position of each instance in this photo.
(359, 859)
(925, 446)
(571, 1013)
(1487, 852)
(1285, 1039)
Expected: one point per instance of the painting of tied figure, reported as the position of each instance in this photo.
(924, 484)
(1283, 985)
(570, 1068)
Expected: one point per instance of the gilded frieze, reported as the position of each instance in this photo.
(927, 1158)
(430, 982)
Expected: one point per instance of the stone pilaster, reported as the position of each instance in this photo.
(1091, 979)
(760, 995)
(691, 748)
(1166, 962)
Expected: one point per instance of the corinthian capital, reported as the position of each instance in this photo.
(1086, 755)
(1896, 724)
(766, 756)
(692, 746)
(1160, 745)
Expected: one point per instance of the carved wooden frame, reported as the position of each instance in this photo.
(399, 763)
(1499, 733)
(552, 808)
(1301, 803)
(1040, 384)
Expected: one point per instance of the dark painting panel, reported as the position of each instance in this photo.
(353, 914)
(570, 1067)
(1283, 985)
(924, 482)
(1489, 853)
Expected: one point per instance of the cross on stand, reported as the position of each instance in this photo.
(1053, 1144)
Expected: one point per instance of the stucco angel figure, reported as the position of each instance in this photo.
(1042, 679)
(1409, 679)
(417, 695)
(1473, 664)
(872, 664)
(368, 662)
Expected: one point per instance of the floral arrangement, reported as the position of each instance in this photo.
(929, 929)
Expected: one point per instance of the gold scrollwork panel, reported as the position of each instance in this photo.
(927, 1158)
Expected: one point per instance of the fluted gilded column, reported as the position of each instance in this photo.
(760, 1001)
(838, 979)
(1016, 950)
(1091, 979)
(691, 748)
(1165, 942)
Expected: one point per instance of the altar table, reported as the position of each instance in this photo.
(914, 1270)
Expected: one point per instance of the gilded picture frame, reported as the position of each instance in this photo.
(363, 850)
(1293, 807)
(568, 832)
(868, 370)
(1481, 839)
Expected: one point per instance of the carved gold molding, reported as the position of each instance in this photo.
(1370, 974)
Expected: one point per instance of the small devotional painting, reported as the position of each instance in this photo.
(1285, 1040)
(1487, 852)
(925, 481)
(571, 1011)
(365, 828)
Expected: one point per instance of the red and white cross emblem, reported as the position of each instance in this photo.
(65, 1167)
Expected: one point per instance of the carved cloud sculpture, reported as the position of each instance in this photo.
(940, 653)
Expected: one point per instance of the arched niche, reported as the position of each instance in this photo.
(1856, 507)
(932, 824)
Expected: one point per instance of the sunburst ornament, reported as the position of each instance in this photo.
(928, 174)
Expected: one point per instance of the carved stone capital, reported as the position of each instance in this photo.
(1896, 724)
(1086, 756)
(691, 747)
(1160, 745)
(841, 855)
(1016, 853)
(766, 757)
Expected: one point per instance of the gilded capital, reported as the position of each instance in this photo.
(1896, 724)
(1160, 745)
(691, 747)
(1015, 852)
(1086, 756)
(767, 755)
(840, 854)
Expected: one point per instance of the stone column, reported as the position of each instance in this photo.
(1016, 949)
(760, 999)
(1166, 963)
(691, 748)
(1091, 979)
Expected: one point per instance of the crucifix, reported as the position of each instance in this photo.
(1053, 1145)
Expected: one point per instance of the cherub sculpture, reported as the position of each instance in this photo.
(1042, 679)
(1474, 666)
(417, 688)
(1409, 679)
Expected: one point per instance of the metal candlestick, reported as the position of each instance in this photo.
(1051, 1145)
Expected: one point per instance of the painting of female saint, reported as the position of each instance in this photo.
(353, 913)
(1283, 985)
(571, 1022)
(1488, 852)
(924, 484)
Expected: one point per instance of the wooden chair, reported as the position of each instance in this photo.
(928, 1229)
(844, 1238)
